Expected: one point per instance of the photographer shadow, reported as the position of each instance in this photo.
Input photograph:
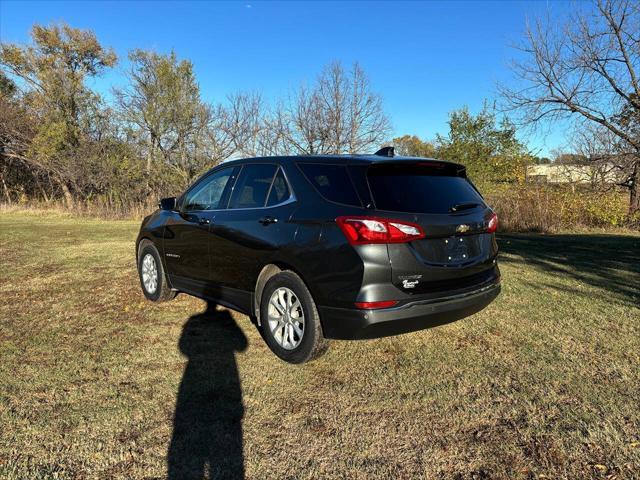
(207, 430)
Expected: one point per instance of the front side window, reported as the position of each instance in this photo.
(208, 195)
(252, 186)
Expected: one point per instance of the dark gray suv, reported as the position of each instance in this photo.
(319, 247)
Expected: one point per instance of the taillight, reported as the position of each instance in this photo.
(492, 226)
(376, 305)
(365, 230)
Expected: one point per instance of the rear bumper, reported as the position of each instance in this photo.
(351, 324)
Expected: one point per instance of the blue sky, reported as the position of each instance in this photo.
(425, 59)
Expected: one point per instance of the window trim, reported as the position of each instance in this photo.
(291, 197)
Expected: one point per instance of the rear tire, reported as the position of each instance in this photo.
(152, 275)
(289, 319)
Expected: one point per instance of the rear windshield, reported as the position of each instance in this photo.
(418, 189)
(331, 181)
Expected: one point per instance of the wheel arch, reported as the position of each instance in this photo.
(265, 274)
(147, 239)
(141, 241)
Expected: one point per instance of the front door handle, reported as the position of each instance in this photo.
(267, 220)
(204, 221)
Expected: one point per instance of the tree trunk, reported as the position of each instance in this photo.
(68, 198)
(6, 190)
(150, 155)
(634, 196)
(43, 191)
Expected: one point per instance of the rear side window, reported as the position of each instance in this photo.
(332, 182)
(252, 186)
(279, 190)
(418, 189)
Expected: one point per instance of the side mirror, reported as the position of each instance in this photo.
(167, 203)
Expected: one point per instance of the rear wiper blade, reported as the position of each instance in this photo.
(463, 206)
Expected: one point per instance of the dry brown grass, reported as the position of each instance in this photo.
(552, 208)
(95, 382)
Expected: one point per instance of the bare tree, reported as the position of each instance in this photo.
(339, 114)
(601, 152)
(586, 70)
(299, 124)
(242, 124)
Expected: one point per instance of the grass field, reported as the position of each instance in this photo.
(95, 382)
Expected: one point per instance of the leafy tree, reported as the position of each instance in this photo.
(53, 71)
(162, 105)
(7, 86)
(488, 148)
(173, 128)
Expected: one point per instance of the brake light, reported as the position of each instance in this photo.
(432, 164)
(365, 230)
(376, 305)
(492, 226)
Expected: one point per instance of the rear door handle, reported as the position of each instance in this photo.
(204, 221)
(267, 220)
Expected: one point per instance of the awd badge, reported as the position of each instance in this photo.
(409, 283)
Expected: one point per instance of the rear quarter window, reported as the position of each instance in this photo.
(417, 189)
(332, 182)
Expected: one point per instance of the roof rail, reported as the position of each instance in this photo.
(385, 152)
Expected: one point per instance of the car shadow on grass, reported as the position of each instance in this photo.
(608, 262)
(207, 430)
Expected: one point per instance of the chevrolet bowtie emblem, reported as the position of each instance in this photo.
(462, 228)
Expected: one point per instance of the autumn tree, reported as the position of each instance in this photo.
(52, 74)
(7, 87)
(586, 70)
(16, 134)
(412, 146)
(174, 127)
(162, 105)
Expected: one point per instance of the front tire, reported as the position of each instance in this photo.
(151, 272)
(289, 319)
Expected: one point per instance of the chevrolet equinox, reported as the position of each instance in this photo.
(320, 247)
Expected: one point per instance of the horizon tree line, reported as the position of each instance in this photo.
(61, 139)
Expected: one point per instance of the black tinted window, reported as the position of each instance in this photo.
(252, 186)
(207, 195)
(279, 190)
(332, 181)
(419, 190)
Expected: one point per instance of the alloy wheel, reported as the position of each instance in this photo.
(149, 273)
(286, 318)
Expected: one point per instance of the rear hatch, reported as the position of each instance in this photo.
(457, 251)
